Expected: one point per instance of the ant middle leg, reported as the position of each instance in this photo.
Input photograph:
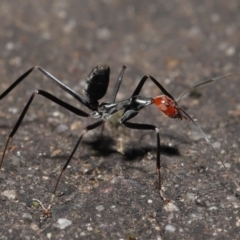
(88, 128)
(140, 126)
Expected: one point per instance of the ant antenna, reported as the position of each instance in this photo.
(205, 82)
(203, 134)
(210, 144)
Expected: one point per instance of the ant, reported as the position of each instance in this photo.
(95, 88)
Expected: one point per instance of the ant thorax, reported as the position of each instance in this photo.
(104, 116)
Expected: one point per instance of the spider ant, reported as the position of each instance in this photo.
(95, 88)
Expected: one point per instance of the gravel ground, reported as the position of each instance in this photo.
(110, 189)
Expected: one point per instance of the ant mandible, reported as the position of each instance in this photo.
(95, 88)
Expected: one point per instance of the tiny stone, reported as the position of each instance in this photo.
(15, 61)
(13, 110)
(194, 31)
(234, 200)
(99, 208)
(61, 128)
(227, 165)
(56, 114)
(190, 196)
(212, 208)
(238, 223)
(76, 125)
(34, 227)
(27, 215)
(196, 136)
(170, 207)
(63, 223)
(56, 152)
(62, 14)
(69, 26)
(49, 235)
(10, 194)
(170, 228)
(231, 51)
(89, 228)
(215, 17)
(18, 153)
(10, 46)
(150, 201)
(103, 34)
(216, 144)
(46, 35)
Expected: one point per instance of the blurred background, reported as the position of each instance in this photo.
(180, 43)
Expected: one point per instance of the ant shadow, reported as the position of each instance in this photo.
(106, 145)
(103, 145)
(132, 152)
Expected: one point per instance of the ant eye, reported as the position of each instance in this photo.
(167, 104)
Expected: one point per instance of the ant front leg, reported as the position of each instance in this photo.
(50, 97)
(115, 90)
(124, 121)
(49, 76)
(15, 128)
(142, 82)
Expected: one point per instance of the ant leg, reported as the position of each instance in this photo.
(102, 129)
(117, 86)
(76, 95)
(143, 80)
(124, 121)
(115, 91)
(90, 127)
(50, 97)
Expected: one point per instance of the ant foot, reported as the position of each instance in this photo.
(46, 211)
(166, 200)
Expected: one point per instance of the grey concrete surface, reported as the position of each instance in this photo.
(110, 189)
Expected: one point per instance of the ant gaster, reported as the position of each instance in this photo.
(95, 88)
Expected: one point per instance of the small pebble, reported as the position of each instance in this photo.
(231, 51)
(238, 223)
(10, 194)
(216, 144)
(63, 223)
(12, 110)
(61, 128)
(99, 208)
(170, 207)
(170, 228)
(103, 34)
(10, 46)
(190, 196)
(150, 201)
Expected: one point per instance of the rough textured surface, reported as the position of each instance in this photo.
(110, 192)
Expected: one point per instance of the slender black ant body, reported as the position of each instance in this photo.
(95, 88)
